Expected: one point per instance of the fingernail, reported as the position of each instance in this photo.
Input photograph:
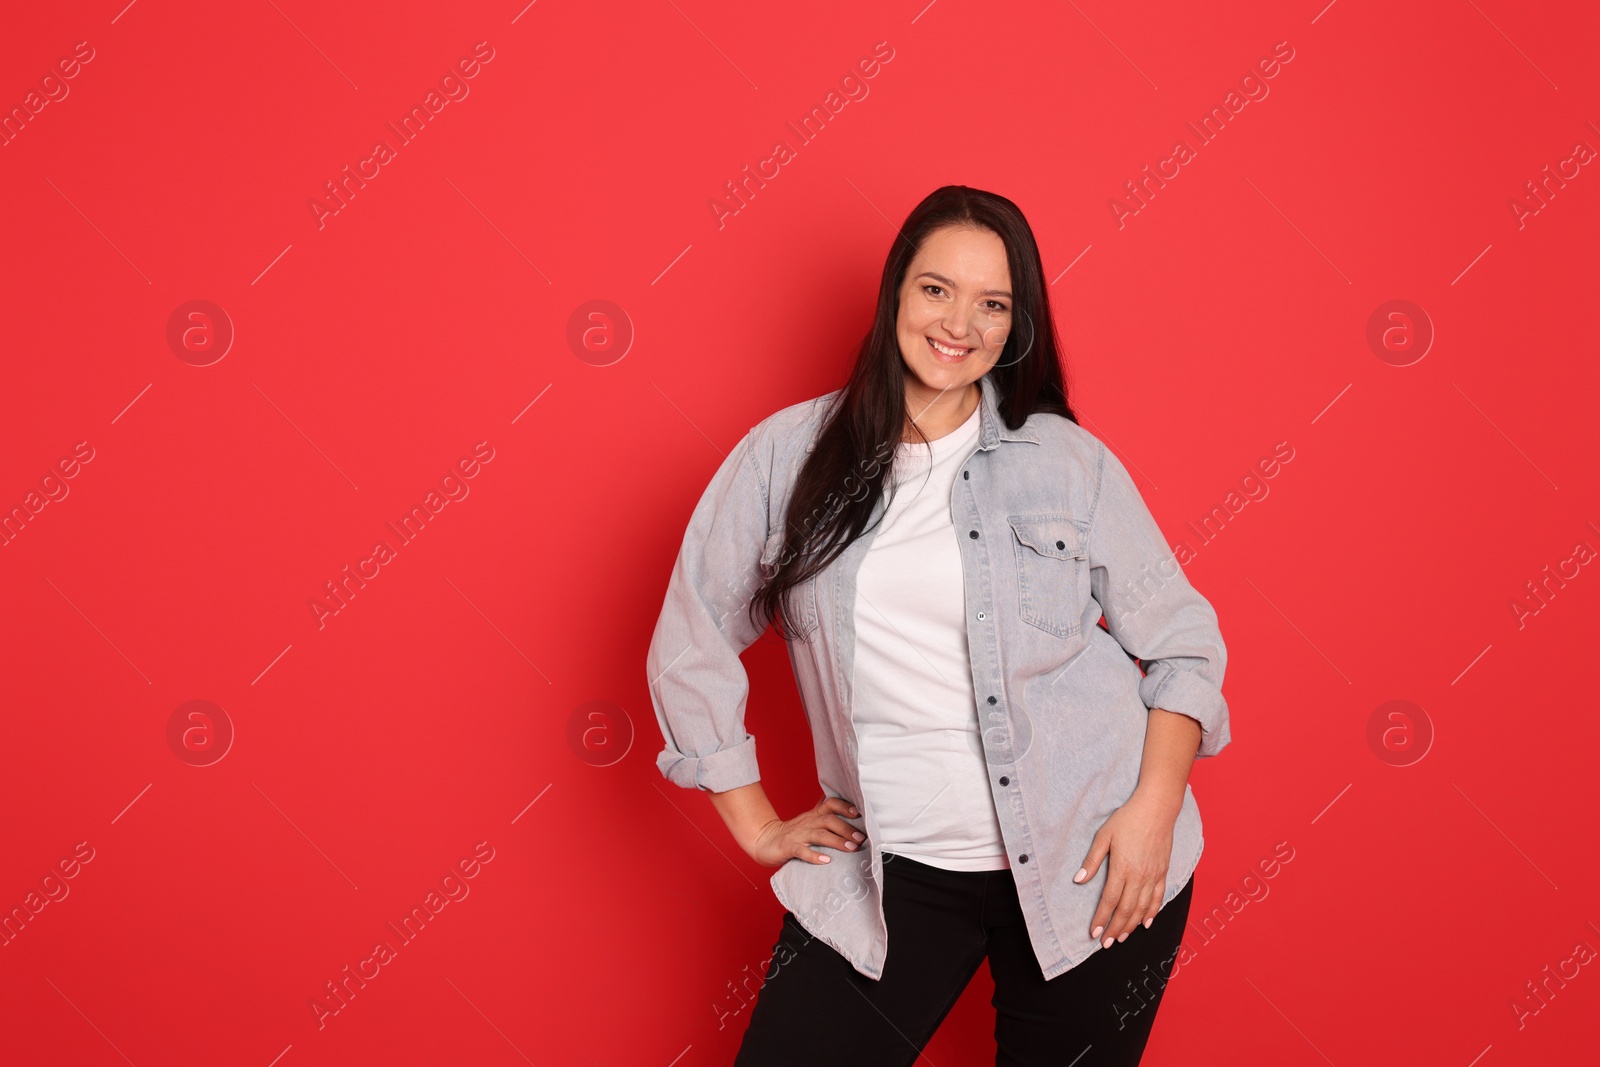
(1148, 921)
(858, 836)
(1122, 936)
(1107, 943)
(1083, 872)
(1096, 931)
(849, 844)
(827, 859)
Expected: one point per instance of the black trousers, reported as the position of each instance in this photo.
(817, 1008)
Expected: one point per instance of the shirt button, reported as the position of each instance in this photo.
(1004, 780)
(1022, 858)
(1061, 544)
(981, 615)
(991, 700)
(966, 474)
(972, 534)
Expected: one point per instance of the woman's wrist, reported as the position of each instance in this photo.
(1170, 742)
(747, 812)
(1161, 797)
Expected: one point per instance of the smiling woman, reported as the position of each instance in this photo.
(953, 332)
(979, 798)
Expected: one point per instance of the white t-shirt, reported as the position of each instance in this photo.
(916, 719)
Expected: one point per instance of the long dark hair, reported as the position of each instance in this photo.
(842, 479)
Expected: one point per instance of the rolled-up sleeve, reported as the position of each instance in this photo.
(1152, 610)
(697, 682)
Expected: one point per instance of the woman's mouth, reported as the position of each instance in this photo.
(948, 353)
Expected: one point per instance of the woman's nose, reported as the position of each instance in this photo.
(956, 323)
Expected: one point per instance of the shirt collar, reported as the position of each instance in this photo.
(992, 428)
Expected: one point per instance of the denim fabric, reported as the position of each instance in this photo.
(1052, 533)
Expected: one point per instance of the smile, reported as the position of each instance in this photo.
(946, 350)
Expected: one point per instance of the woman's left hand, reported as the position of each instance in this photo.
(1138, 837)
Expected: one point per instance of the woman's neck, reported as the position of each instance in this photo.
(941, 415)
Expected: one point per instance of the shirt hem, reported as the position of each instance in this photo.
(875, 973)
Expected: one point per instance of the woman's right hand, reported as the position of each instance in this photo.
(784, 839)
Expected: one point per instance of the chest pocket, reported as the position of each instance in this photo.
(800, 609)
(1052, 572)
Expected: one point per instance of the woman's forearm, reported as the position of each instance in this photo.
(747, 811)
(1170, 742)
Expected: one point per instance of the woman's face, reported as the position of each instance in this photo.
(955, 309)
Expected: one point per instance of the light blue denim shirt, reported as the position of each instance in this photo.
(1052, 533)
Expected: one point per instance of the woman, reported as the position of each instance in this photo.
(939, 539)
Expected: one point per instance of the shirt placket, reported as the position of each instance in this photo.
(999, 729)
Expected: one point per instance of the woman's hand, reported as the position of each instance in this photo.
(1138, 837)
(784, 839)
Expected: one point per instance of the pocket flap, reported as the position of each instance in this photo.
(1049, 536)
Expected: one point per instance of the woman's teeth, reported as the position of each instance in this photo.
(945, 350)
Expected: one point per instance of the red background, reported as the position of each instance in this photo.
(448, 703)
